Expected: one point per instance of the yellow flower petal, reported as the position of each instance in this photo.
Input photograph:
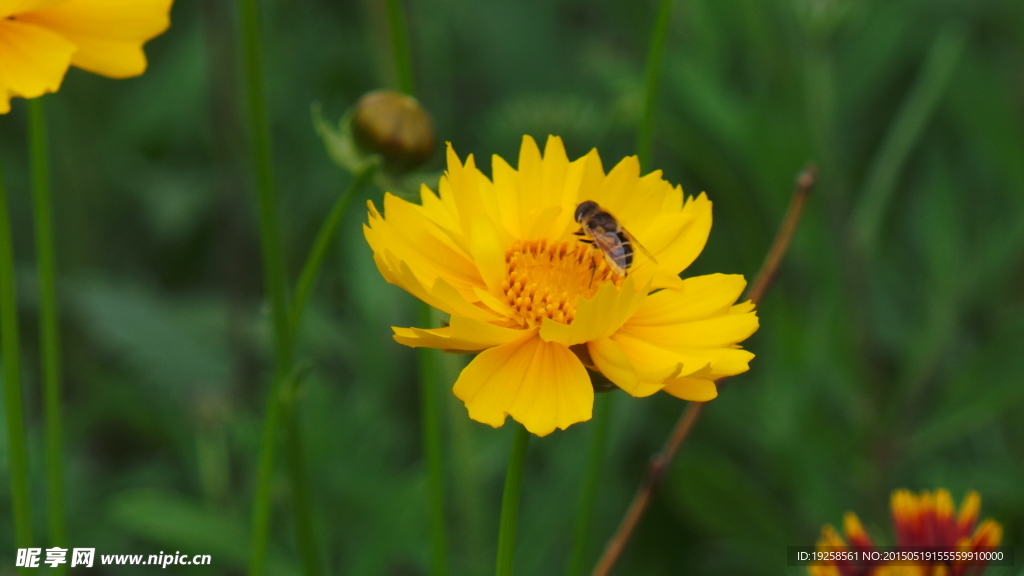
(634, 200)
(33, 61)
(440, 295)
(537, 200)
(470, 192)
(414, 239)
(613, 362)
(694, 389)
(598, 317)
(676, 239)
(465, 334)
(697, 298)
(13, 7)
(488, 253)
(109, 33)
(542, 385)
(654, 363)
(715, 332)
(662, 334)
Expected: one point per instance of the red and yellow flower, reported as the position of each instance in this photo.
(927, 519)
(499, 255)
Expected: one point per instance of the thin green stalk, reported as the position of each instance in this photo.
(904, 132)
(304, 532)
(510, 503)
(49, 330)
(277, 288)
(431, 421)
(400, 52)
(595, 464)
(315, 260)
(655, 55)
(21, 503)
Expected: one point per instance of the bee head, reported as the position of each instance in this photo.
(585, 209)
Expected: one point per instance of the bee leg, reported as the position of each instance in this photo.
(593, 269)
(580, 232)
(586, 241)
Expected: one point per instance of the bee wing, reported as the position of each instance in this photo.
(633, 241)
(618, 256)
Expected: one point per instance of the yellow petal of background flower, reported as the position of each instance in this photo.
(33, 61)
(463, 333)
(109, 33)
(695, 389)
(542, 385)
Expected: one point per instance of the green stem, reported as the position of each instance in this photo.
(510, 503)
(315, 260)
(9, 353)
(431, 419)
(655, 55)
(276, 285)
(300, 493)
(400, 52)
(595, 462)
(49, 331)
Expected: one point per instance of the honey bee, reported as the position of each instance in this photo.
(601, 229)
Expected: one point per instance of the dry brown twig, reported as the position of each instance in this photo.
(660, 462)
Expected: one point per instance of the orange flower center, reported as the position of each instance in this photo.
(545, 279)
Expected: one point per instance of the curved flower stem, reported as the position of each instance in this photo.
(431, 418)
(510, 503)
(595, 463)
(277, 288)
(315, 260)
(21, 503)
(49, 331)
(655, 55)
(660, 462)
(400, 52)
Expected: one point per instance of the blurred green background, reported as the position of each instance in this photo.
(890, 351)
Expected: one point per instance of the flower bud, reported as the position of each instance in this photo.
(395, 126)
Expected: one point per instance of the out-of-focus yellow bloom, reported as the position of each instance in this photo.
(499, 255)
(925, 519)
(39, 39)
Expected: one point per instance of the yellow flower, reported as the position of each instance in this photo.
(500, 257)
(39, 39)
